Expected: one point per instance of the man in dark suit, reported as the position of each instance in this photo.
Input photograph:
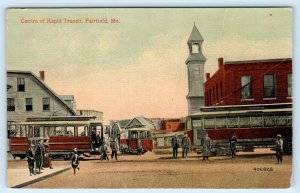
(175, 145)
(30, 160)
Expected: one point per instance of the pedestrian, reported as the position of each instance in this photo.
(206, 147)
(39, 156)
(75, 160)
(47, 159)
(232, 142)
(94, 138)
(99, 140)
(185, 144)
(103, 152)
(139, 147)
(114, 149)
(175, 145)
(279, 148)
(30, 160)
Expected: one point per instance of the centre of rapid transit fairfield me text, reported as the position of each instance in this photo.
(70, 21)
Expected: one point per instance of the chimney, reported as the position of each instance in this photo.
(207, 76)
(220, 60)
(42, 75)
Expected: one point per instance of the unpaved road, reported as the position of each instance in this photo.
(153, 171)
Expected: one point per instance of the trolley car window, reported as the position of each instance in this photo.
(98, 129)
(60, 131)
(244, 122)
(269, 120)
(23, 132)
(220, 122)
(17, 131)
(50, 131)
(44, 132)
(281, 120)
(20, 131)
(149, 135)
(256, 121)
(197, 123)
(133, 135)
(289, 120)
(232, 121)
(36, 131)
(106, 129)
(11, 130)
(209, 123)
(30, 131)
(70, 131)
(82, 131)
(143, 135)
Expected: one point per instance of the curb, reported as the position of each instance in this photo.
(40, 179)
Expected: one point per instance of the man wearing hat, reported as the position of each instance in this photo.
(114, 149)
(39, 156)
(279, 148)
(175, 145)
(185, 144)
(30, 159)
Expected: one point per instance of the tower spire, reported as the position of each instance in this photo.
(195, 64)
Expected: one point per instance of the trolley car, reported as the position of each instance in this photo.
(64, 133)
(255, 125)
(130, 136)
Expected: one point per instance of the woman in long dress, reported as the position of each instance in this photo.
(47, 159)
(206, 147)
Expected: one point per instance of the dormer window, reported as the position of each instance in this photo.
(195, 48)
(21, 84)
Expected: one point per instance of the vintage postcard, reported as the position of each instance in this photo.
(149, 97)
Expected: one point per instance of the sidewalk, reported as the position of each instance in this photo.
(18, 178)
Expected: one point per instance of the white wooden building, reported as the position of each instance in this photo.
(29, 96)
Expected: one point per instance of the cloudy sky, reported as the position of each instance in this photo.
(137, 67)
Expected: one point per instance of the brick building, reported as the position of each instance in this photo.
(250, 82)
(172, 125)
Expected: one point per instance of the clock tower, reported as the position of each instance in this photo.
(195, 65)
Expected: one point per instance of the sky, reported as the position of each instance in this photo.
(137, 66)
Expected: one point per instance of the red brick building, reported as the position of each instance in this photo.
(172, 125)
(250, 82)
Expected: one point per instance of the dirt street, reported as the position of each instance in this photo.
(153, 171)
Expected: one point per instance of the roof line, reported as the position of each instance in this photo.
(255, 61)
(44, 85)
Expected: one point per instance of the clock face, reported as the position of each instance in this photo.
(195, 48)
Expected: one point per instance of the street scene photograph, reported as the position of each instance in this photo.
(124, 98)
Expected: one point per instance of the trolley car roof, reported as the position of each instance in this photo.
(238, 112)
(61, 123)
(61, 118)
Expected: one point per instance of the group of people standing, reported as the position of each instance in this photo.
(38, 157)
(103, 150)
(185, 145)
(207, 145)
